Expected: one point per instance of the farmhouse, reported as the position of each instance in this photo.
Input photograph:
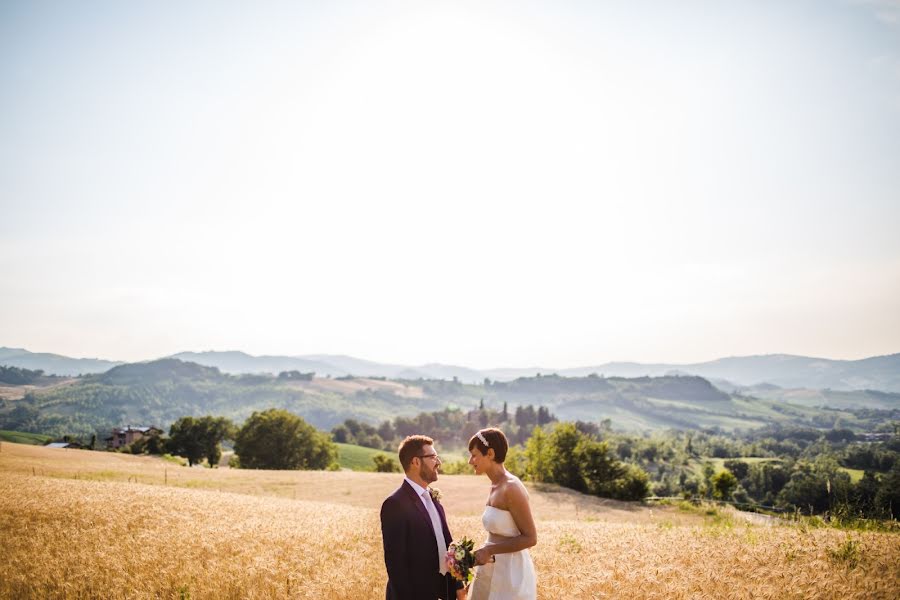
(122, 436)
(64, 445)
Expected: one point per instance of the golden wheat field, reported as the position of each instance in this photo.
(77, 524)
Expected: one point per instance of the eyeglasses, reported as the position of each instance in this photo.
(434, 456)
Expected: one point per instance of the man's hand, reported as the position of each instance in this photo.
(461, 593)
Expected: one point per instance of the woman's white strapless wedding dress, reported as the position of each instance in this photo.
(512, 576)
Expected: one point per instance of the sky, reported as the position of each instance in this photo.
(491, 184)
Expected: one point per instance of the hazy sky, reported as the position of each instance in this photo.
(552, 183)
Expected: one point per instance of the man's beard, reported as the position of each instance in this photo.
(428, 475)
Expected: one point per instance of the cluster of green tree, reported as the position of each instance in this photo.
(566, 455)
(788, 469)
(271, 439)
(17, 376)
(277, 439)
(194, 439)
(871, 457)
(813, 487)
(452, 428)
(296, 376)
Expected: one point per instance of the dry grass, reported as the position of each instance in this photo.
(465, 494)
(67, 538)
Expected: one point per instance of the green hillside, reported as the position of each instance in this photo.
(19, 437)
(358, 458)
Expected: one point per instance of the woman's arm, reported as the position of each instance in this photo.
(517, 504)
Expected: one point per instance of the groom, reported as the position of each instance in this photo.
(414, 530)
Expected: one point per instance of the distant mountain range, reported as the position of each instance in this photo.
(783, 370)
(54, 364)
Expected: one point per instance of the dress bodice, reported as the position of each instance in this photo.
(512, 576)
(499, 521)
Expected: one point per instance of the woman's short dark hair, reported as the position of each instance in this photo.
(495, 439)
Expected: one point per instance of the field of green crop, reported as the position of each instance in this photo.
(23, 438)
(358, 458)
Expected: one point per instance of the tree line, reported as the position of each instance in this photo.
(271, 439)
(452, 426)
(19, 376)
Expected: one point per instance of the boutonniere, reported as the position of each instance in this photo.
(436, 494)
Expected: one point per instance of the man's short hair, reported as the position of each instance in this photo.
(495, 439)
(412, 447)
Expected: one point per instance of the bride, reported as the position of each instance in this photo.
(506, 571)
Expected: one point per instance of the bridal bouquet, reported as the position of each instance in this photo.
(460, 559)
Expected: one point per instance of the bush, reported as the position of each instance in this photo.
(385, 464)
(634, 484)
(723, 484)
(455, 467)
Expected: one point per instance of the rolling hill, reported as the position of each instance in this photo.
(53, 364)
(159, 392)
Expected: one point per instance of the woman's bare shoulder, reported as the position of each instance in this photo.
(514, 489)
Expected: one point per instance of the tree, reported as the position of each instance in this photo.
(195, 439)
(537, 456)
(816, 487)
(386, 431)
(24, 417)
(277, 439)
(723, 484)
(150, 444)
(341, 434)
(887, 498)
(634, 484)
(601, 469)
(525, 416)
(864, 494)
(738, 468)
(516, 462)
(765, 480)
(296, 375)
(544, 416)
(709, 470)
(184, 440)
(214, 431)
(18, 376)
(565, 462)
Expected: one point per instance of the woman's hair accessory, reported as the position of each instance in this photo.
(483, 441)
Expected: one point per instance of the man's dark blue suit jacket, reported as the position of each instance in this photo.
(410, 550)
